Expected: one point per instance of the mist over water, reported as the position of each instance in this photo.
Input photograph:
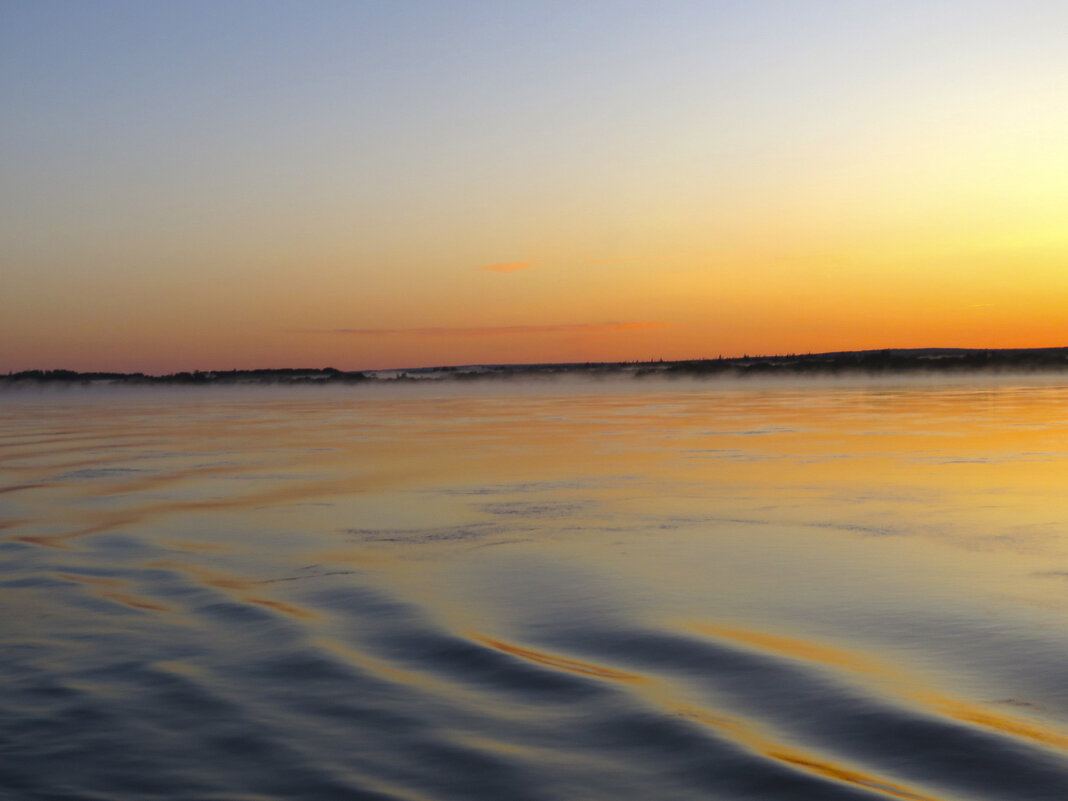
(561, 591)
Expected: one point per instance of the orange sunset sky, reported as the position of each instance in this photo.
(370, 185)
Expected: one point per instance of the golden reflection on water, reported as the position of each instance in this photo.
(849, 776)
(799, 649)
(559, 662)
(108, 588)
(902, 544)
(979, 469)
(894, 680)
(743, 734)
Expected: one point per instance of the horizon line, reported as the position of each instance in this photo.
(719, 357)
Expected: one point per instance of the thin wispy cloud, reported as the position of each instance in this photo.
(506, 267)
(492, 330)
(629, 260)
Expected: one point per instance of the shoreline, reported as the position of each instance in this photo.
(916, 362)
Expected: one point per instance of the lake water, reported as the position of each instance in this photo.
(524, 592)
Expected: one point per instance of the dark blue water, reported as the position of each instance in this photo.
(559, 592)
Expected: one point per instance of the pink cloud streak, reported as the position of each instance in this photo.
(506, 267)
(494, 330)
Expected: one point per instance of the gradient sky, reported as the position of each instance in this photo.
(257, 184)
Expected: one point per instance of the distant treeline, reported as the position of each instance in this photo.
(278, 376)
(872, 362)
(938, 360)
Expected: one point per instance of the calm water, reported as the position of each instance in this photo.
(570, 592)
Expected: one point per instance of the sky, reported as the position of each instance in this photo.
(362, 185)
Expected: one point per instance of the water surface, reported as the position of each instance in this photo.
(658, 591)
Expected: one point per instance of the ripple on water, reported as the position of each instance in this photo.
(239, 599)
